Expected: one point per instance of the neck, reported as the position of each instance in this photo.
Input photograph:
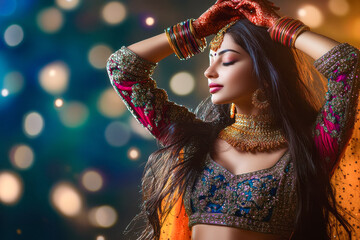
(246, 107)
(250, 110)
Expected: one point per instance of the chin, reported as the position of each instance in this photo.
(217, 100)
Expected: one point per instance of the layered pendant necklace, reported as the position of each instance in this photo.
(254, 134)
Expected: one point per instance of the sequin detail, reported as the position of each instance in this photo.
(130, 75)
(341, 67)
(262, 201)
(334, 124)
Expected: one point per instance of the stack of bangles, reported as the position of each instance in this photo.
(285, 30)
(183, 40)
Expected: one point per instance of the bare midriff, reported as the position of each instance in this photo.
(216, 232)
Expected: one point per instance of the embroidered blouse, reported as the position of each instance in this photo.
(264, 200)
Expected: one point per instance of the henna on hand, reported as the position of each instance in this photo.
(216, 17)
(259, 12)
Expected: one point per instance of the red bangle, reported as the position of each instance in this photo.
(285, 30)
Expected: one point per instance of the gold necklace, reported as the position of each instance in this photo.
(253, 133)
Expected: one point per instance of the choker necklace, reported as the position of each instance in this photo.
(253, 133)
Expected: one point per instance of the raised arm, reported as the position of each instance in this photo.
(335, 121)
(130, 75)
(153, 49)
(314, 45)
(130, 68)
(338, 62)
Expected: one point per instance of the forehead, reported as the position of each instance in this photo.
(228, 43)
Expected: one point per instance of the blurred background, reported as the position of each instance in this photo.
(71, 155)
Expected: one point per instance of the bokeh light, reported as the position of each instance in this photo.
(182, 83)
(133, 153)
(353, 27)
(13, 35)
(68, 4)
(66, 199)
(339, 7)
(117, 134)
(22, 156)
(74, 114)
(311, 16)
(150, 21)
(7, 7)
(80, 130)
(114, 12)
(103, 216)
(110, 104)
(139, 129)
(14, 82)
(11, 187)
(98, 56)
(50, 20)
(59, 102)
(92, 180)
(4, 92)
(33, 124)
(54, 77)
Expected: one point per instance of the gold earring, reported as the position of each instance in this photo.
(232, 110)
(258, 103)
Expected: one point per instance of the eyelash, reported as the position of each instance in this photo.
(229, 63)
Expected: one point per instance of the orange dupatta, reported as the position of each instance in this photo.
(176, 223)
(346, 181)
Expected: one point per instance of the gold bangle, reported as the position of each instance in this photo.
(201, 41)
(171, 43)
(297, 34)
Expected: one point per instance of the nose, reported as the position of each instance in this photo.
(210, 72)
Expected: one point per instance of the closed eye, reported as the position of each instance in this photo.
(228, 63)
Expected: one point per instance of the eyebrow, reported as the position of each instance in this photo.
(224, 51)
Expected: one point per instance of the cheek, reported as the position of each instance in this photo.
(242, 80)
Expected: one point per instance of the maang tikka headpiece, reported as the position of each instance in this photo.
(219, 38)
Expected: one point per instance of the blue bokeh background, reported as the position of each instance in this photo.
(63, 153)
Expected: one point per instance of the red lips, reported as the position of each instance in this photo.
(215, 87)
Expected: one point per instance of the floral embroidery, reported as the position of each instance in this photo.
(341, 66)
(130, 76)
(262, 201)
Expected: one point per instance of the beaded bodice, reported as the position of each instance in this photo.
(262, 201)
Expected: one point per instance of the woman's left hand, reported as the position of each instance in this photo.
(259, 12)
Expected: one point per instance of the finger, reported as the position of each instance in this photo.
(246, 14)
(221, 1)
(249, 4)
(227, 4)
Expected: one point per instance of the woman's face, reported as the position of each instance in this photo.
(231, 68)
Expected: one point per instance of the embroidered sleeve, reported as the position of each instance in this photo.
(130, 75)
(336, 118)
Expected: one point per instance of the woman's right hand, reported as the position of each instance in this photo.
(216, 17)
(259, 12)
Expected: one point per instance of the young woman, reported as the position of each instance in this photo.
(255, 160)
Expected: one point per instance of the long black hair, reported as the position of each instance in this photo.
(288, 85)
